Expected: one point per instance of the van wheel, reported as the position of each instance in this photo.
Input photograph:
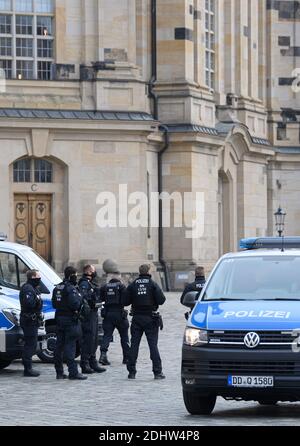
(4, 363)
(199, 405)
(47, 355)
(268, 402)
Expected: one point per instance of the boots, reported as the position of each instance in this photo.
(159, 376)
(96, 368)
(79, 376)
(86, 369)
(61, 376)
(103, 359)
(31, 373)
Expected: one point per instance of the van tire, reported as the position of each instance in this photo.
(4, 363)
(199, 405)
(47, 356)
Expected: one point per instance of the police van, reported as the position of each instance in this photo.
(11, 334)
(242, 337)
(15, 261)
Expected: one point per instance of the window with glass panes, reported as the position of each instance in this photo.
(27, 38)
(22, 171)
(6, 66)
(5, 46)
(29, 170)
(210, 43)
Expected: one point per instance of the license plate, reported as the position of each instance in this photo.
(251, 381)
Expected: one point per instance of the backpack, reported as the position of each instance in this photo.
(58, 297)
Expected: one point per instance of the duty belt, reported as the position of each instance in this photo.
(32, 316)
(141, 313)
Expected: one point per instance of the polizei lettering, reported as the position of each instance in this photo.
(258, 314)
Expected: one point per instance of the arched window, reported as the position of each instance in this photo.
(31, 170)
(22, 173)
(42, 171)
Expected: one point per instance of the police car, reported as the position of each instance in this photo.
(242, 337)
(15, 261)
(11, 334)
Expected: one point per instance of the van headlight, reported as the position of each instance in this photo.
(13, 315)
(194, 336)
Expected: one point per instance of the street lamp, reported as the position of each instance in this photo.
(280, 219)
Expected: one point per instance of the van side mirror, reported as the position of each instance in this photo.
(190, 299)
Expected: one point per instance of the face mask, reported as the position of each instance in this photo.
(94, 275)
(73, 279)
(35, 282)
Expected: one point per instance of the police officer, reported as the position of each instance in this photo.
(113, 295)
(67, 301)
(31, 318)
(198, 284)
(89, 343)
(145, 296)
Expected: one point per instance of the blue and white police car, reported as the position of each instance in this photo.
(242, 337)
(11, 334)
(15, 261)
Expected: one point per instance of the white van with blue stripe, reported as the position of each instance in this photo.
(15, 261)
(11, 334)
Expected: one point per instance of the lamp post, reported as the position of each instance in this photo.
(280, 220)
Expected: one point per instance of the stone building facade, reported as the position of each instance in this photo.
(98, 93)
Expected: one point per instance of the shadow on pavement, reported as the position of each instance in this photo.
(283, 410)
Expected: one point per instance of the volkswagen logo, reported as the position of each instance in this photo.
(251, 340)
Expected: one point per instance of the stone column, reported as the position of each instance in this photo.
(241, 49)
(253, 48)
(199, 43)
(5, 217)
(190, 172)
(182, 95)
(272, 100)
(253, 204)
(175, 58)
(229, 44)
(117, 31)
(262, 53)
(143, 36)
(60, 30)
(90, 35)
(220, 51)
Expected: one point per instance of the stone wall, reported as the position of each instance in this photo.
(236, 144)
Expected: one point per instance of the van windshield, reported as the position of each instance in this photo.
(255, 278)
(43, 266)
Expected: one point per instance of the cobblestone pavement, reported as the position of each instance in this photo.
(110, 399)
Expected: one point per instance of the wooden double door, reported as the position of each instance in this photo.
(33, 222)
